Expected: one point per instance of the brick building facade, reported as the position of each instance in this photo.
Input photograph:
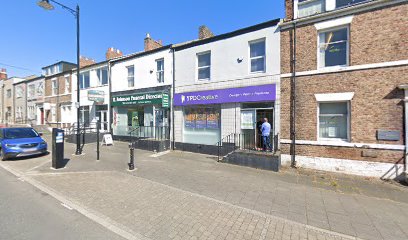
(345, 95)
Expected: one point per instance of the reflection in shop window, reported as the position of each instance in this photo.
(202, 125)
(333, 120)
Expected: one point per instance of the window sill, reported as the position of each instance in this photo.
(258, 72)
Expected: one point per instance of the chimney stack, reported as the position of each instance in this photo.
(84, 61)
(113, 53)
(3, 74)
(150, 43)
(204, 32)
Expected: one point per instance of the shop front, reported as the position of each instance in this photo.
(141, 114)
(208, 116)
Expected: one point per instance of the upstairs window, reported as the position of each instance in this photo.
(131, 76)
(40, 89)
(334, 119)
(344, 3)
(160, 70)
(8, 93)
(84, 80)
(204, 66)
(31, 90)
(257, 56)
(19, 92)
(54, 87)
(310, 7)
(102, 76)
(67, 85)
(333, 47)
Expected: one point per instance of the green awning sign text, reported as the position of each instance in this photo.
(140, 99)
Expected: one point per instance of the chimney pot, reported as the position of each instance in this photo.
(113, 53)
(150, 44)
(204, 32)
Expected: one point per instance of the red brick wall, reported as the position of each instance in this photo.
(377, 36)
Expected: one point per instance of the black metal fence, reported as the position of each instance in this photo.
(152, 138)
(245, 141)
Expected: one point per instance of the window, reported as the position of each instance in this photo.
(19, 112)
(19, 91)
(54, 86)
(8, 93)
(67, 85)
(257, 56)
(334, 120)
(102, 76)
(204, 66)
(333, 48)
(53, 114)
(344, 3)
(160, 70)
(31, 113)
(84, 80)
(310, 7)
(84, 115)
(40, 89)
(131, 76)
(31, 90)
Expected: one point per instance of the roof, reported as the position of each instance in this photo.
(59, 63)
(142, 53)
(238, 32)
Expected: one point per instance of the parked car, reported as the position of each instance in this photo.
(21, 142)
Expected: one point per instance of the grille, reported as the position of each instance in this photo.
(29, 145)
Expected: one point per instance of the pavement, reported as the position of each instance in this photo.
(179, 195)
(28, 213)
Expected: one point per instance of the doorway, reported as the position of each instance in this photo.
(260, 115)
(103, 117)
(41, 116)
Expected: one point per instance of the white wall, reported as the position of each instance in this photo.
(224, 64)
(142, 65)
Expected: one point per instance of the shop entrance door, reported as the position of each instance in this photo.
(261, 114)
(103, 117)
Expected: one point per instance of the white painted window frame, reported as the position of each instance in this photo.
(325, 30)
(67, 85)
(99, 76)
(203, 67)
(298, 4)
(54, 87)
(160, 72)
(320, 139)
(31, 87)
(130, 77)
(259, 57)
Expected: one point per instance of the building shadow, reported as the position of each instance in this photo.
(396, 173)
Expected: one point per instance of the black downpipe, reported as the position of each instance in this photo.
(293, 94)
(173, 147)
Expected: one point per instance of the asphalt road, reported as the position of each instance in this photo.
(28, 213)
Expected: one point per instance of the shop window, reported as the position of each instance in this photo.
(333, 47)
(334, 120)
(54, 87)
(84, 81)
(160, 70)
(135, 118)
(131, 76)
(310, 7)
(204, 66)
(257, 56)
(102, 74)
(202, 125)
(345, 3)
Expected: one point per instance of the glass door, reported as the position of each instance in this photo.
(261, 114)
(103, 117)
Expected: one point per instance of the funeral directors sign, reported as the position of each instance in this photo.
(139, 99)
(229, 95)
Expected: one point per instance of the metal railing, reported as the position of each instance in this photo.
(150, 132)
(244, 141)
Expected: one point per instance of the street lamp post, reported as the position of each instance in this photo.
(48, 6)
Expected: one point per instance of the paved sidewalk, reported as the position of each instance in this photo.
(186, 196)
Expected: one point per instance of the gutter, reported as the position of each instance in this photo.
(293, 96)
(173, 145)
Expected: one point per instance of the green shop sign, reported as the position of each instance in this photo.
(140, 99)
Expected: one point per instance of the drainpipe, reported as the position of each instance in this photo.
(110, 97)
(405, 88)
(171, 99)
(293, 94)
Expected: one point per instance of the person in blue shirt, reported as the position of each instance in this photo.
(266, 132)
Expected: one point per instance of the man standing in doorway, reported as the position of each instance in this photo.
(266, 132)
(259, 141)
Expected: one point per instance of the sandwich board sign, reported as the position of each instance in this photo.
(107, 139)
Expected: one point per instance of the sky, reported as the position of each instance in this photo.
(31, 37)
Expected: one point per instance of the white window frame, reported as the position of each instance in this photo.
(53, 111)
(319, 61)
(67, 85)
(54, 87)
(250, 59)
(128, 76)
(31, 87)
(160, 72)
(347, 139)
(82, 80)
(307, 2)
(203, 67)
(99, 76)
(8, 93)
(19, 91)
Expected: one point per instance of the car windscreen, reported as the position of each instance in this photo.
(13, 133)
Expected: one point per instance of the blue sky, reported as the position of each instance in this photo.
(32, 37)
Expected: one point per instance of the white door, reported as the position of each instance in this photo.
(103, 117)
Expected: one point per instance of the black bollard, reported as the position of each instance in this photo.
(98, 125)
(132, 157)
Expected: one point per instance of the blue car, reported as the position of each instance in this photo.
(21, 142)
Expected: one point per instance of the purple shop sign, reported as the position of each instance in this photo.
(244, 94)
